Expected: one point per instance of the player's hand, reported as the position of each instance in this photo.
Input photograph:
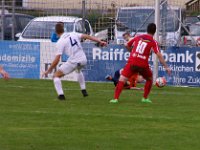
(45, 74)
(168, 70)
(103, 43)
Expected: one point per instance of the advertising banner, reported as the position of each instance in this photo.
(183, 61)
(30, 60)
(20, 59)
(185, 65)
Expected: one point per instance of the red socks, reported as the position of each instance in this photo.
(147, 88)
(118, 89)
(120, 86)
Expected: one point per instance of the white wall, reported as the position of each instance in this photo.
(93, 4)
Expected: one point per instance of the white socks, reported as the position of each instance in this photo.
(81, 80)
(58, 86)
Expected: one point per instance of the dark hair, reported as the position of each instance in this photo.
(126, 33)
(59, 27)
(151, 28)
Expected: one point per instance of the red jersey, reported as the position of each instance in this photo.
(142, 46)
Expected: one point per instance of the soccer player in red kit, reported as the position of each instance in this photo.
(138, 62)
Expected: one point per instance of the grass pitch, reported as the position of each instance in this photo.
(32, 119)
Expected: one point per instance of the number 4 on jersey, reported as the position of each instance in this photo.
(73, 42)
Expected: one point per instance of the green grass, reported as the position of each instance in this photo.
(32, 119)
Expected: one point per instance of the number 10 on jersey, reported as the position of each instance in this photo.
(141, 47)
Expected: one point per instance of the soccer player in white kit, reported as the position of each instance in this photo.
(70, 44)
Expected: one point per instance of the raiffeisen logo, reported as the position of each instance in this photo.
(183, 57)
(121, 54)
(110, 54)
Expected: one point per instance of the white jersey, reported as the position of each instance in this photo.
(70, 44)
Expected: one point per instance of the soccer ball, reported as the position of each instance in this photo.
(160, 82)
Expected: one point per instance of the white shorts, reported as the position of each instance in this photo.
(69, 67)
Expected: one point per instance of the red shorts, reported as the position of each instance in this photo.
(131, 69)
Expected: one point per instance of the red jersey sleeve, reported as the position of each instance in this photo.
(130, 43)
(156, 48)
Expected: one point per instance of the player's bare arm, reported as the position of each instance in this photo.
(161, 59)
(85, 36)
(4, 74)
(53, 65)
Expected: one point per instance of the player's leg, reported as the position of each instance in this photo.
(116, 77)
(126, 73)
(140, 79)
(137, 79)
(108, 77)
(120, 86)
(64, 69)
(58, 85)
(81, 78)
(147, 74)
(133, 80)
